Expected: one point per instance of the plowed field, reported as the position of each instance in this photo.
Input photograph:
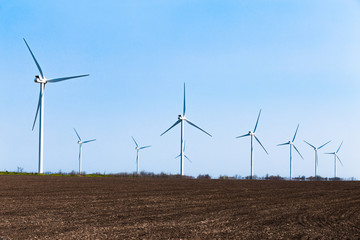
(44, 207)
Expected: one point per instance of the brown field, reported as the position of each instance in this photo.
(44, 207)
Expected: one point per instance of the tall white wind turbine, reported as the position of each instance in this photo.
(316, 154)
(137, 154)
(80, 142)
(252, 135)
(40, 107)
(182, 119)
(291, 143)
(336, 157)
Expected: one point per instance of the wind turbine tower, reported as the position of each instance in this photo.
(80, 142)
(40, 107)
(182, 119)
(252, 135)
(137, 155)
(291, 144)
(316, 154)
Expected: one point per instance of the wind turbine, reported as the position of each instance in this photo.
(336, 157)
(80, 142)
(252, 135)
(291, 143)
(316, 154)
(40, 107)
(182, 119)
(137, 154)
(184, 154)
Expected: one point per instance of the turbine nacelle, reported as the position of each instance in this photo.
(181, 117)
(39, 79)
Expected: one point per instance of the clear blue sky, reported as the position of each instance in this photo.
(297, 60)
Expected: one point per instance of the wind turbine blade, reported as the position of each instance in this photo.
(324, 144)
(187, 158)
(282, 144)
(339, 147)
(177, 156)
(65, 78)
(135, 141)
(310, 145)
(37, 109)
(192, 124)
(261, 144)
(77, 134)
(184, 107)
(36, 62)
(298, 152)
(339, 160)
(328, 153)
(243, 135)
(145, 147)
(176, 123)
(90, 140)
(295, 133)
(257, 121)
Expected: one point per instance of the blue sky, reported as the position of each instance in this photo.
(296, 60)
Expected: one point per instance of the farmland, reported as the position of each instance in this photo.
(51, 207)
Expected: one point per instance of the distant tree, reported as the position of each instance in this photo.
(237, 177)
(317, 178)
(205, 176)
(251, 177)
(274, 177)
(335, 179)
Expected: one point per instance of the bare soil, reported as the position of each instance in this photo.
(44, 207)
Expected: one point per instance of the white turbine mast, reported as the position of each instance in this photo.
(182, 119)
(291, 144)
(336, 157)
(80, 142)
(40, 107)
(316, 154)
(137, 154)
(252, 135)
